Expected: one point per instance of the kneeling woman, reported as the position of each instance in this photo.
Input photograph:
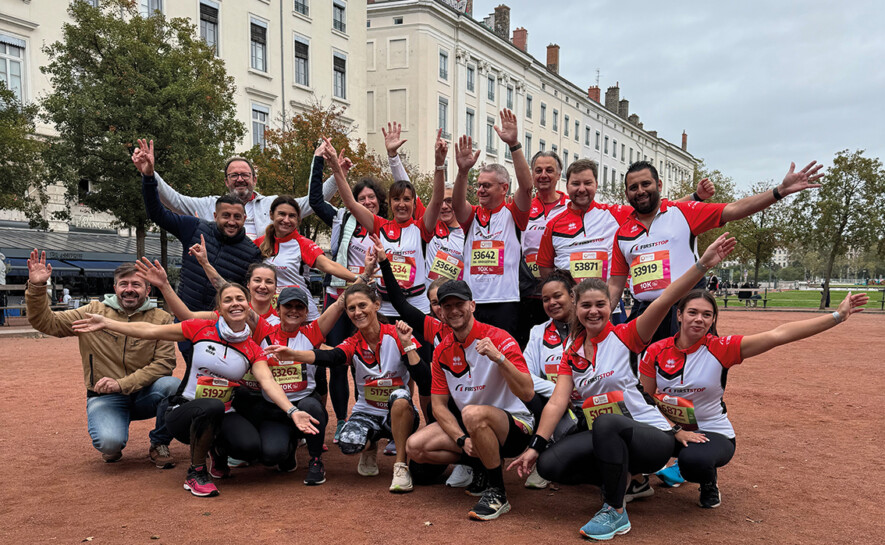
(687, 373)
(198, 415)
(626, 435)
(384, 408)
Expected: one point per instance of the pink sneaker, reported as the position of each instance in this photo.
(218, 468)
(199, 483)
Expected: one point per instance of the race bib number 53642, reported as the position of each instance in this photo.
(487, 257)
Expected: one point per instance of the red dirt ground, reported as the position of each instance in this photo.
(807, 468)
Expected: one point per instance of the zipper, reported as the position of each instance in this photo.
(91, 372)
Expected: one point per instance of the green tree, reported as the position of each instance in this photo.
(847, 212)
(759, 235)
(21, 169)
(117, 76)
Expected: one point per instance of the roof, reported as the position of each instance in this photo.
(18, 243)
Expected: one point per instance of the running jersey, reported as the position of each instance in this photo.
(293, 257)
(654, 257)
(543, 353)
(581, 243)
(540, 214)
(217, 365)
(271, 316)
(404, 244)
(435, 331)
(262, 337)
(607, 371)
(444, 255)
(696, 374)
(459, 371)
(356, 250)
(298, 380)
(492, 252)
(379, 370)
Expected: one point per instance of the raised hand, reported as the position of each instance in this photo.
(717, 251)
(508, 132)
(331, 155)
(465, 157)
(199, 251)
(39, 271)
(152, 273)
(404, 332)
(392, 140)
(318, 152)
(344, 162)
(705, 189)
(92, 322)
(804, 179)
(143, 157)
(852, 304)
(485, 347)
(441, 149)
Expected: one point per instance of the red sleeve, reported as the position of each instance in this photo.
(508, 346)
(432, 326)
(727, 349)
(426, 234)
(263, 330)
(702, 216)
(313, 333)
(349, 347)
(630, 336)
(519, 217)
(647, 365)
(190, 328)
(466, 225)
(621, 212)
(253, 351)
(619, 264)
(378, 224)
(564, 367)
(310, 251)
(438, 383)
(545, 251)
(419, 208)
(258, 240)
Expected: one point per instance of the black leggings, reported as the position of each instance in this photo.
(202, 423)
(273, 434)
(698, 461)
(570, 460)
(625, 446)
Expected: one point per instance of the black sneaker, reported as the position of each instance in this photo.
(710, 498)
(638, 489)
(316, 473)
(288, 465)
(479, 483)
(491, 505)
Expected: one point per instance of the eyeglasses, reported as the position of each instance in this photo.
(239, 176)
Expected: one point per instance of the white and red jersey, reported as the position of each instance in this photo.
(444, 255)
(540, 214)
(492, 252)
(297, 379)
(356, 249)
(217, 366)
(435, 330)
(607, 371)
(293, 256)
(696, 374)
(656, 256)
(404, 244)
(543, 353)
(459, 371)
(581, 242)
(379, 370)
(272, 317)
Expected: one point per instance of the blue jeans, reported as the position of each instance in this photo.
(108, 416)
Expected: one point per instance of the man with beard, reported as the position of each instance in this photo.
(126, 378)
(658, 241)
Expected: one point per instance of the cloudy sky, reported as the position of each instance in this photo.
(755, 84)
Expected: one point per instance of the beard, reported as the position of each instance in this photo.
(654, 199)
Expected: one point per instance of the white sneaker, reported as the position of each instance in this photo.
(402, 478)
(461, 477)
(368, 466)
(535, 481)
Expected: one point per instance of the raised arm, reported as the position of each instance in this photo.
(139, 330)
(325, 211)
(509, 133)
(40, 316)
(410, 314)
(519, 383)
(431, 213)
(393, 141)
(155, 275)
(360, 212)
(465, 158)
(182, 227)
(705, 190)
(793, 183)
(649, 321)
(330, 316)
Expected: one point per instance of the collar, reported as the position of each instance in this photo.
(562, 200)
(498, 208)
(271, 312)
(693, 348)
(277, 241)
(662, 209)
(289, 334)
(577, 211)
(478, 331)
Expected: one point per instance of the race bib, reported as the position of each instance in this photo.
(551, 370)
(487, 257)
(610, 403)
(677, 409)
(215, 388)
(532, 262)
(403, 270)
(588, 265)
(378, 391)
(288, 374)
(650, 271)
(249, 381)
(446, 266)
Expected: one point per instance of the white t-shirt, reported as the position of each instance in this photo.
(492, 252)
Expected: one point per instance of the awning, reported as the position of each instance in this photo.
(19, 267)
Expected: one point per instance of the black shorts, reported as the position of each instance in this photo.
(518, 435)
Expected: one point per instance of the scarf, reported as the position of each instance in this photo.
(229, 335)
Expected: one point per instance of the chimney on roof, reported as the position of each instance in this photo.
(521, 38)
(593, 93)
(624, 108)
(653, 134)
(641, 125)
(553, 58)
(684, 141)
(611, 98)
(634, 119)
(502, 22)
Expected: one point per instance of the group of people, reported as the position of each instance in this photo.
(500, 324)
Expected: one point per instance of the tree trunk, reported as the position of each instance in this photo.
(140, 233)
(164, 249)
(758, 262)
(827, 275)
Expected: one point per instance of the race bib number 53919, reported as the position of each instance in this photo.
(650, 271)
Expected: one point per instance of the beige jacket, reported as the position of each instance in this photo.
(133, 363)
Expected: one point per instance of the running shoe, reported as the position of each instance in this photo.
(390, 449)
(606, 524)
(638, 489)
(288, 465)
(161, 456)
(535, 481)
(461, 477)
(111, 458)
(479, 483)
(236, 462)
(710, 498)
(368, 466)
(402, 479)
(338, 430)
(671, 476)
(218, 465)
(316, 472)
(491, 505)
(199, 483)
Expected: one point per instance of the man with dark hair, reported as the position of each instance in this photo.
(126, 379)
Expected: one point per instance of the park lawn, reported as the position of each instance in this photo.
(809, 299)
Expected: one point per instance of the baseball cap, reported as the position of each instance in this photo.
(292, 294)
(454, 288)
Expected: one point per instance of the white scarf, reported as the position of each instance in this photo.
(231, 336)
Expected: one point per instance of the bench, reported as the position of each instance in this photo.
(749, 296)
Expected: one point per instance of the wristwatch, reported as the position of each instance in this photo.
(676, 429)
(292, 409)
(461, 440)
